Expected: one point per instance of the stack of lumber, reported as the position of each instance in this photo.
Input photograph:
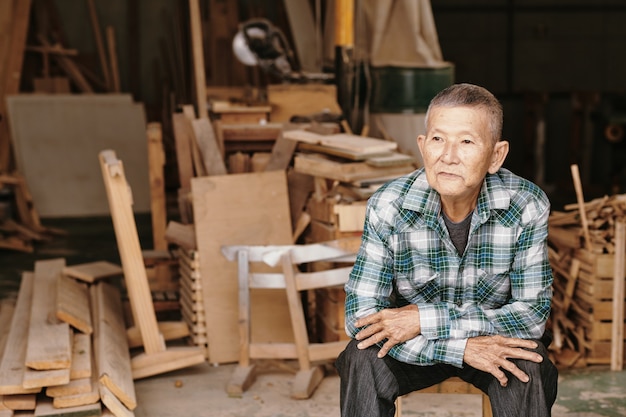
(354, 166)
(583, 258)
(66, 351)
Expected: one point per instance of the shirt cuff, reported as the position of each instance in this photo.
(450, 351)
(434, 321)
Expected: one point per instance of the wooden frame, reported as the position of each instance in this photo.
(334, 255)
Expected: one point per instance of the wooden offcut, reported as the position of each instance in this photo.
(72, 303)
(92, 271)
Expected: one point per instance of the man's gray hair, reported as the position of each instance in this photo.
(472, 96)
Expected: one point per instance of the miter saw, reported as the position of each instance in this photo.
(259, 43)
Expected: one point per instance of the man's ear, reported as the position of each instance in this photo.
(420, 142)
(500, 151)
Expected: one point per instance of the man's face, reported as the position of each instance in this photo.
(458, 151)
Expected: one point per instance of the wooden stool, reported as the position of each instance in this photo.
(453, 385)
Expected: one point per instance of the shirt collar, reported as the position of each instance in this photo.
(423, 199)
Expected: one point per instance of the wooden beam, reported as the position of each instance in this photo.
(11, 74)
(120, 204)
(95, 25)
(115, 71)
(198, 58)
(158, 204)
(211, 154)
(617, 337)
(581, 205)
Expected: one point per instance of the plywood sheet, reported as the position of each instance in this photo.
(239, 209)
(58, 154)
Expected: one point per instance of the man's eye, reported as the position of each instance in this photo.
(436, 138)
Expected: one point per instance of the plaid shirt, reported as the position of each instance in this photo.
(502, 284)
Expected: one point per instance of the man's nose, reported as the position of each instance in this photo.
(450, 153)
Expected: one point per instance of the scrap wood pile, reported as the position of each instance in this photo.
(66, 349)
(20, 226)
(583, 254)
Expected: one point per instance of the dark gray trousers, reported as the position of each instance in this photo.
(370, 386)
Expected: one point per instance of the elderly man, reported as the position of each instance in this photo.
(452, 277)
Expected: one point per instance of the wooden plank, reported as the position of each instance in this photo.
(182, 142)
(318, 166)
(158, 204)
(46, 409)
(93, 271)
(91, 396)
(74, 387)
(7, 308)
(12, 365)
(617, 339)
(581, 204)
(344, 141)
(183, 235)
(268, 223)
(171, 330)
(288, 100)
(49, 343)
(211, 154)
(81, 356)
(112, 48)
(113, 403)
(306, 37)
(12, 73)
(95, 26)
(198, 59)
(72, 303)
(282, 153)
(196, 154)
(19, 401)
(120, 203)
(114, 366)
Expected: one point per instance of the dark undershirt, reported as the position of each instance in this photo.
(458, 231)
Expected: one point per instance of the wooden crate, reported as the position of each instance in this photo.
(593, 304)
(329, 314)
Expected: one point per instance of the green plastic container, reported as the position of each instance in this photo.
(407, 90)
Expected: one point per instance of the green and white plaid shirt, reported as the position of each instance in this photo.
(502, 284)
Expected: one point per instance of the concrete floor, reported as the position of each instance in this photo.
(200, 391)
(588, 392)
